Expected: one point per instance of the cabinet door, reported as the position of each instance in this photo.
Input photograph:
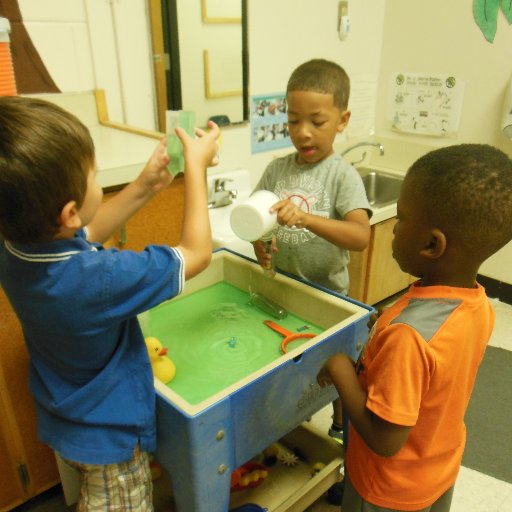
(385, 278)
(357, 272)
(29, 466)
(158, 222)
(11, 486)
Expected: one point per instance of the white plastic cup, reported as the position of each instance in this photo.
(251, 219)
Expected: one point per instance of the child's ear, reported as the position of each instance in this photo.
(436, 245)
(344, 119)
(69, 218)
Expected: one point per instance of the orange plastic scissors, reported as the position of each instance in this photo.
(289, 336)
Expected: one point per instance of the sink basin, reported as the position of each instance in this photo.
(381, 188)
(222, 234)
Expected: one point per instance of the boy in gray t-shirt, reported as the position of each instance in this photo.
(329, 194)
(323, 212)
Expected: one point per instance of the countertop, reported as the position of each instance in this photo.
(382, 214)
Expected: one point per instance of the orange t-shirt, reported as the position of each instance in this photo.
(419, 368)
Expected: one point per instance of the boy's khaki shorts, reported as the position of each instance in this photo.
(126, 486)
(352, 502)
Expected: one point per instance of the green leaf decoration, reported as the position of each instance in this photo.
(485, 13)
(506, 8)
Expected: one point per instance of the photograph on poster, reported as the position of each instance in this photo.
(269, 122)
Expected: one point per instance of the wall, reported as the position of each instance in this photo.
(286, 33)
(412, 35)
(89, 44)
(441, 37)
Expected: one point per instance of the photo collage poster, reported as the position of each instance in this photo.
(269, 122)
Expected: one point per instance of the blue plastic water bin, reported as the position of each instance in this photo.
(200, 445)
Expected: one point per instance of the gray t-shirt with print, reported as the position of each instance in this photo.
(331, 189)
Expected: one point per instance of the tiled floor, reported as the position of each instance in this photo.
(474, 491)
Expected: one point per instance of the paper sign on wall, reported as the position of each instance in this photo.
(362, 105)
(425, 104)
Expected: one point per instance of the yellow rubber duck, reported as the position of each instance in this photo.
(163, 368)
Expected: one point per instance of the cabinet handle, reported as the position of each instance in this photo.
(23, 474)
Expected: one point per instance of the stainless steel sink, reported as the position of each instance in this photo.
(381, 188)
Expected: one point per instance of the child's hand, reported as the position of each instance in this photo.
(200, 152)
(155, 176)
(289, 214)
(324, 377)
(335, 370)
(262, 255)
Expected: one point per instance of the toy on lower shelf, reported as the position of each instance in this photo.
(155, 468)
(163, 368)
(248, 475)
(277, 452)
(286, 457)
(317, 468)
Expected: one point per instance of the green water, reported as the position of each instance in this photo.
(216, 337)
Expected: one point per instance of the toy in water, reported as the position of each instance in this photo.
(248, 475)
(289, 336)
(267, 306)
(163, 367)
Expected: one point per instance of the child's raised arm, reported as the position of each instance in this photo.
(196, 236)
(195, 243)
(113, 213)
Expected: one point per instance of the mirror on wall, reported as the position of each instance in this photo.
(201, 59)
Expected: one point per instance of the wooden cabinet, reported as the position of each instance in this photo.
(374, 274)
(158, 222)
(27, 467)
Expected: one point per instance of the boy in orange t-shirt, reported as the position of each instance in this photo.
(408, 393)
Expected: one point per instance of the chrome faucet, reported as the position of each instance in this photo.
(362, 144)
(221, 195)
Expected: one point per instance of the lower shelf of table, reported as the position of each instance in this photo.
(293, 489)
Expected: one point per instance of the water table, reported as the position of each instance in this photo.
(235, 392)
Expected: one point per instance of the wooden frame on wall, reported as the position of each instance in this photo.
(208, 93)
(216, 11)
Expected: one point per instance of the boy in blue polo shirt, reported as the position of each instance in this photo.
(78, 303)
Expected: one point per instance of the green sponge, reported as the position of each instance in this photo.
(184, 119)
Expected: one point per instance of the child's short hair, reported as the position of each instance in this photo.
(324, 76)
(466, 191)
(45, 156)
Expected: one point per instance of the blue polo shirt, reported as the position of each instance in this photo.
(89, 369)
